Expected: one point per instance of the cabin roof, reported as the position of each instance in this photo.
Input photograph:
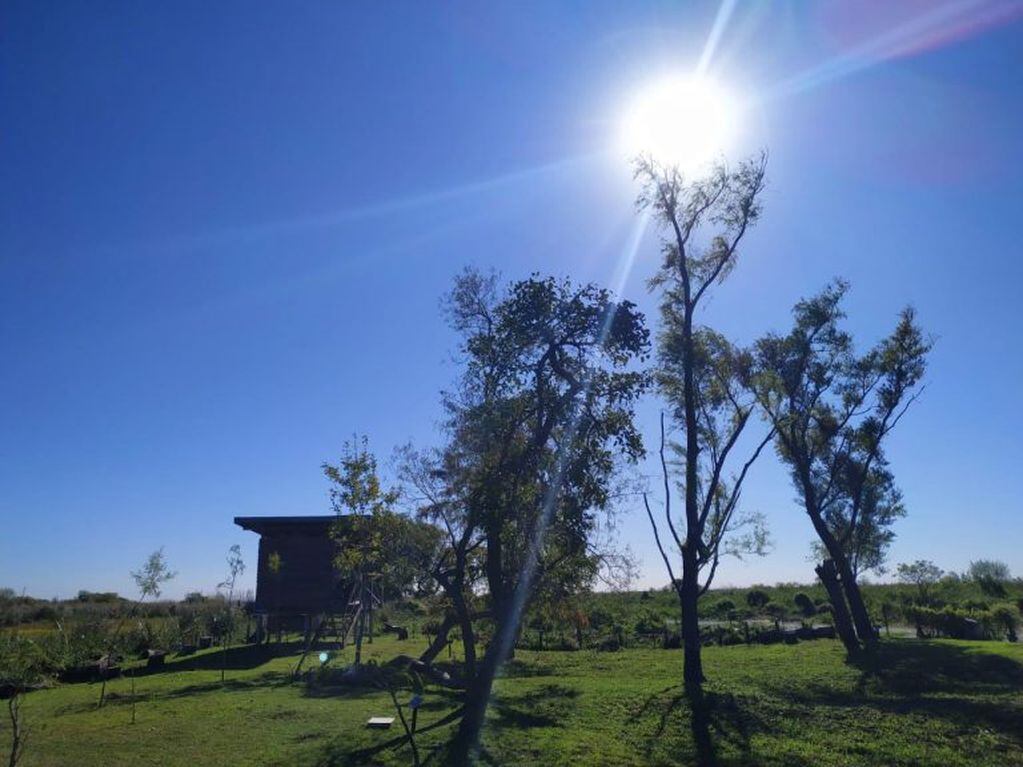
(264, 525)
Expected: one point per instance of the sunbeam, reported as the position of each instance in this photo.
(373, 210)
(948, 21)
(710, 47)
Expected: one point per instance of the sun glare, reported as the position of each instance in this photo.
(686, 122)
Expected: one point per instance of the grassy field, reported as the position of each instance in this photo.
(921, 703)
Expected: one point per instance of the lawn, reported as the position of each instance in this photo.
(919, 703)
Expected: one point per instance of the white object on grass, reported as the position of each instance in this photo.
(380, 721)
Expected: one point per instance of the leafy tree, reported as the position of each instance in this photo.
(990, 575)
(923, 574)
(23, 666)
(377, 546)
(698, 374)
(988, 568)
(832, 411)
(543, 418)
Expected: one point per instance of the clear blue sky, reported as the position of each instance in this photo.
(225, 228)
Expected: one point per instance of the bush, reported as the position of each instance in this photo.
(649, 622)
(757, 598)
(954, 623)
(723, 607)
(805, 604)
(1005, 617)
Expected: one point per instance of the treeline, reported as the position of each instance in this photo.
(88, 606)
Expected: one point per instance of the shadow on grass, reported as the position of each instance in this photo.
(967, 687)
(237, 658)
(116, 696)
(363, 756)
(726, 720)
(546, 706)
(914, 667)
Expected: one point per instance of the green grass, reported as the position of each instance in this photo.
(919, 703)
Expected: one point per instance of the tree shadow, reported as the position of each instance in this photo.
(722, 719)
(364, 756)
(545, 706)
(237, 658)
(940, 681)
(914, 667)
(116, 697)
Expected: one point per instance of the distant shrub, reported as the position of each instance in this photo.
(775, 610)
(757, 598)
(1006, 618)
(722, 608)
(804, 604)
(954, 623)
(98, 597)
(649, 622)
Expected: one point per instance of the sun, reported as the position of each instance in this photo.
(685, 121)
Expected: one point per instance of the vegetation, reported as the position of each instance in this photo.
(698, 374)
(832, 411)
(934, 702)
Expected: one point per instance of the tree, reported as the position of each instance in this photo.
(923, 574)
(149, 581)
(235, 567)
(23, 666)
(990, 575)
(832, 411)
(542, 419)
(378, 548)
(438, 481)
(698, 374)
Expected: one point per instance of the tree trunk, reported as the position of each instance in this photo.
(860, 616)
(439, 641)
(843, 625)
(465, 747)
(17, 736)
(468, 635)
(688, 597)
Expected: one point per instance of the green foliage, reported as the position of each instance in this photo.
(23, 664)
(988, 569)
(154, 573)
(832, 410)
(373, 539)
(757, 598)
(923, 574)
(804, 604)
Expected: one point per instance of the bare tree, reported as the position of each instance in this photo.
(235, 567)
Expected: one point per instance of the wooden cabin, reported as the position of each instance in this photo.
(305, 581)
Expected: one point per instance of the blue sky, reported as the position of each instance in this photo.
(225, 229)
